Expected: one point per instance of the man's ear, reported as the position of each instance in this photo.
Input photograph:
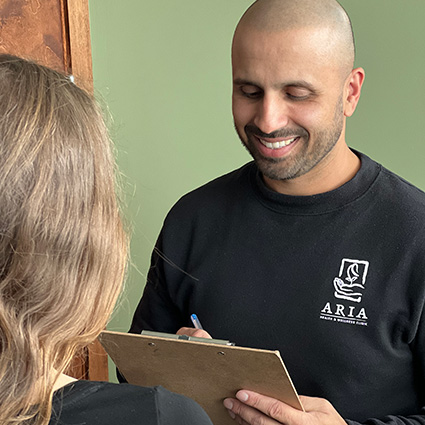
(353, 87)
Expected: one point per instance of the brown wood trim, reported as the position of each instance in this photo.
(98, 362)
(65, 36)
(33, 30)
(80, 44)
(91, 363)
(78, 368)
(94, 361)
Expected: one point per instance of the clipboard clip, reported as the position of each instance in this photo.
(187, 338)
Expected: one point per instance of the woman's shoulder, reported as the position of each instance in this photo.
(107, 403)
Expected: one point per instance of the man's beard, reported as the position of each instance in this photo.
(292, 166)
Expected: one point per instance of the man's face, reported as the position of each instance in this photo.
(287, 100)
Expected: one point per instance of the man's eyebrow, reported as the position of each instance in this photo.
(241, 81)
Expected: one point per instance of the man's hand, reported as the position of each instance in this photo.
(199, 333)
(256, 409)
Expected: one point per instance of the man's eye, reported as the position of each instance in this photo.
(251, 93)
(297, 94)
(296, 97)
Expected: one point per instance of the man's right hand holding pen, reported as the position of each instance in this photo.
(197, 330)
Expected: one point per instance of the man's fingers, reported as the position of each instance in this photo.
(271, 407)
(257, 409)
(199, 333)
(244, 414)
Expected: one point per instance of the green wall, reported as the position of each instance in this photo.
(163, 67)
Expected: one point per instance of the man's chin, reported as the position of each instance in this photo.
(274, 169)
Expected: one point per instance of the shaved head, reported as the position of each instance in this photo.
(293, 88)
(272, 16)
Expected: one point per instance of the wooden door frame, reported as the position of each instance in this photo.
(94, 360)
(79, 42)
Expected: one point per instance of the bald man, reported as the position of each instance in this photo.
(313, 249)
(293, 87)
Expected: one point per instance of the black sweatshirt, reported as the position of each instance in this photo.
(333, 281)
(103, 403)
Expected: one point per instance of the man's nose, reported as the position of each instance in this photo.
(272, 114)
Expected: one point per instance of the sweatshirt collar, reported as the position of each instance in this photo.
(321, 203)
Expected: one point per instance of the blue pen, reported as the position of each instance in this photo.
(196, 321)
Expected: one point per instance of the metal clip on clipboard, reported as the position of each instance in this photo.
(188, 338)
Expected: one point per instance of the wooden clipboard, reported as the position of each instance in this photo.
(205, 372)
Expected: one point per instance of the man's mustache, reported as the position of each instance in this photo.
(280, 133)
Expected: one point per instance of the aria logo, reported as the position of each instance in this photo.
(349, 286)
(350, 283)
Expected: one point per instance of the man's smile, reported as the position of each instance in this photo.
(277, 144)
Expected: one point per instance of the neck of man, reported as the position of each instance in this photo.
(338, 167)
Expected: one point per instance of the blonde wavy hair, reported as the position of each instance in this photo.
(63, 249)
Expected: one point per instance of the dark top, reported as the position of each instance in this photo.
(334, 281)
(103, 403)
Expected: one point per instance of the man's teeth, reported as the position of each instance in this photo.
(277, 145)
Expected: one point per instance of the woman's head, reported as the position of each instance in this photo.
(62, 245)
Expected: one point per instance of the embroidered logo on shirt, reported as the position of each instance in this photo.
(349, 286)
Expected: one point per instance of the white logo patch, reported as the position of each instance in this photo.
(348, 286)
(350, 283)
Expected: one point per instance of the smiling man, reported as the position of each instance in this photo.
(293, 87)
(313, 249)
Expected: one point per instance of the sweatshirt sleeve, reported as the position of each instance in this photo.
(156, 311)
(394, 420)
